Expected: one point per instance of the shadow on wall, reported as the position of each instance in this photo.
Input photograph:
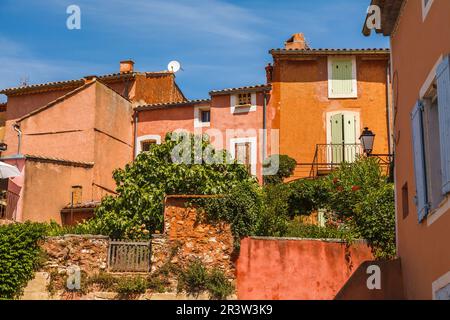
(389, 286)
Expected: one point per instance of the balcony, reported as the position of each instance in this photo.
(329, 157)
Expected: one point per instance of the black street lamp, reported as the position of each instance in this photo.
(367, 139)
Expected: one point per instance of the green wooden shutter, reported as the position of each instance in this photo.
(337, 138)
(443, 88)
(419, 162)
(342, 77)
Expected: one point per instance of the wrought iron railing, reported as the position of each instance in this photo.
(328, 157)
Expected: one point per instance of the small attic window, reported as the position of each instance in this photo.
(244, 99)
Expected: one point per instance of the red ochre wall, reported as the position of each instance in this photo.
(285, 269)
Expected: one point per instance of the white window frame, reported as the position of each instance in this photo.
(235, 108)
(426, 8)
(331, 95)
(253, 151)
(141, 139)
(198, 117)
(440, 283)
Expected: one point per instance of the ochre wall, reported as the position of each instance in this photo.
(416, 47)
(161, 121)
(300, 95)
(48, 188)
(283, 269)
(63, 130)
(113, 137)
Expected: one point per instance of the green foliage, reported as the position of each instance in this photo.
(193, 280)
(131, 286)
(196, 279)
(104, 281)
(218, 285)
(142, 185)
(240, 206)
(273, 218)
(54, 229)
(285, 170)
(306, 196)
(19, 256)
(375, 220)
(298, 230)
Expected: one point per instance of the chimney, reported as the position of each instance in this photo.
(89, 79)
(126, 66)
(269, 73)
(297, 41)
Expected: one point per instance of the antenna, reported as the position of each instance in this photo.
(174, 66)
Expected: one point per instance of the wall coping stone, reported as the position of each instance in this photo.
(306, 239)
(80, 236)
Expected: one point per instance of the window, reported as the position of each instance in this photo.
(243, 102)
(144, 143)
(202, 116)
(244, 151)
(342, 78)
(426, 6)
(432, 149)
(147, 144)
(430, 119)
(244, 99)
(405, 201)
(76, 195)
(205, 116)
(242, 154)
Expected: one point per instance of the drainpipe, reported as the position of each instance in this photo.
(388, 107)
(264, 126)
(135, 120)
(19, 136)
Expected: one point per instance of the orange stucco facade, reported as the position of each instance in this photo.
(300, 96)
(419, 42)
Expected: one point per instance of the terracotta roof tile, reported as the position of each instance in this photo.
(39, 158)
(79, 82)
(326, 51)
(259, 87)
(83, 205)
(157, 106)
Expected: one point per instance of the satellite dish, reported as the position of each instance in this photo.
(174, 66)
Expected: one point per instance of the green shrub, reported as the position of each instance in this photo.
(196, 279)
(240, 206)
(131, 286)
(375, 221)
(306, 196)
(298, 230)
(142, 185)
(19, 256)
(219, 287)
(285, 170)
(273, 218)
(103, 280)
(193, 280)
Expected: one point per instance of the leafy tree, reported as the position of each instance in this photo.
(286, 167)
(19, 256)
(184, 164)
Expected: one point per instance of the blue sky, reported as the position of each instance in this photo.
(220, 43)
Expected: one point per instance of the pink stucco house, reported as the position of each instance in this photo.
(234, 119)
(67, 137)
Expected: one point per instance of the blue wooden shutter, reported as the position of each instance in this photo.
(443, 88)
(419, 162)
